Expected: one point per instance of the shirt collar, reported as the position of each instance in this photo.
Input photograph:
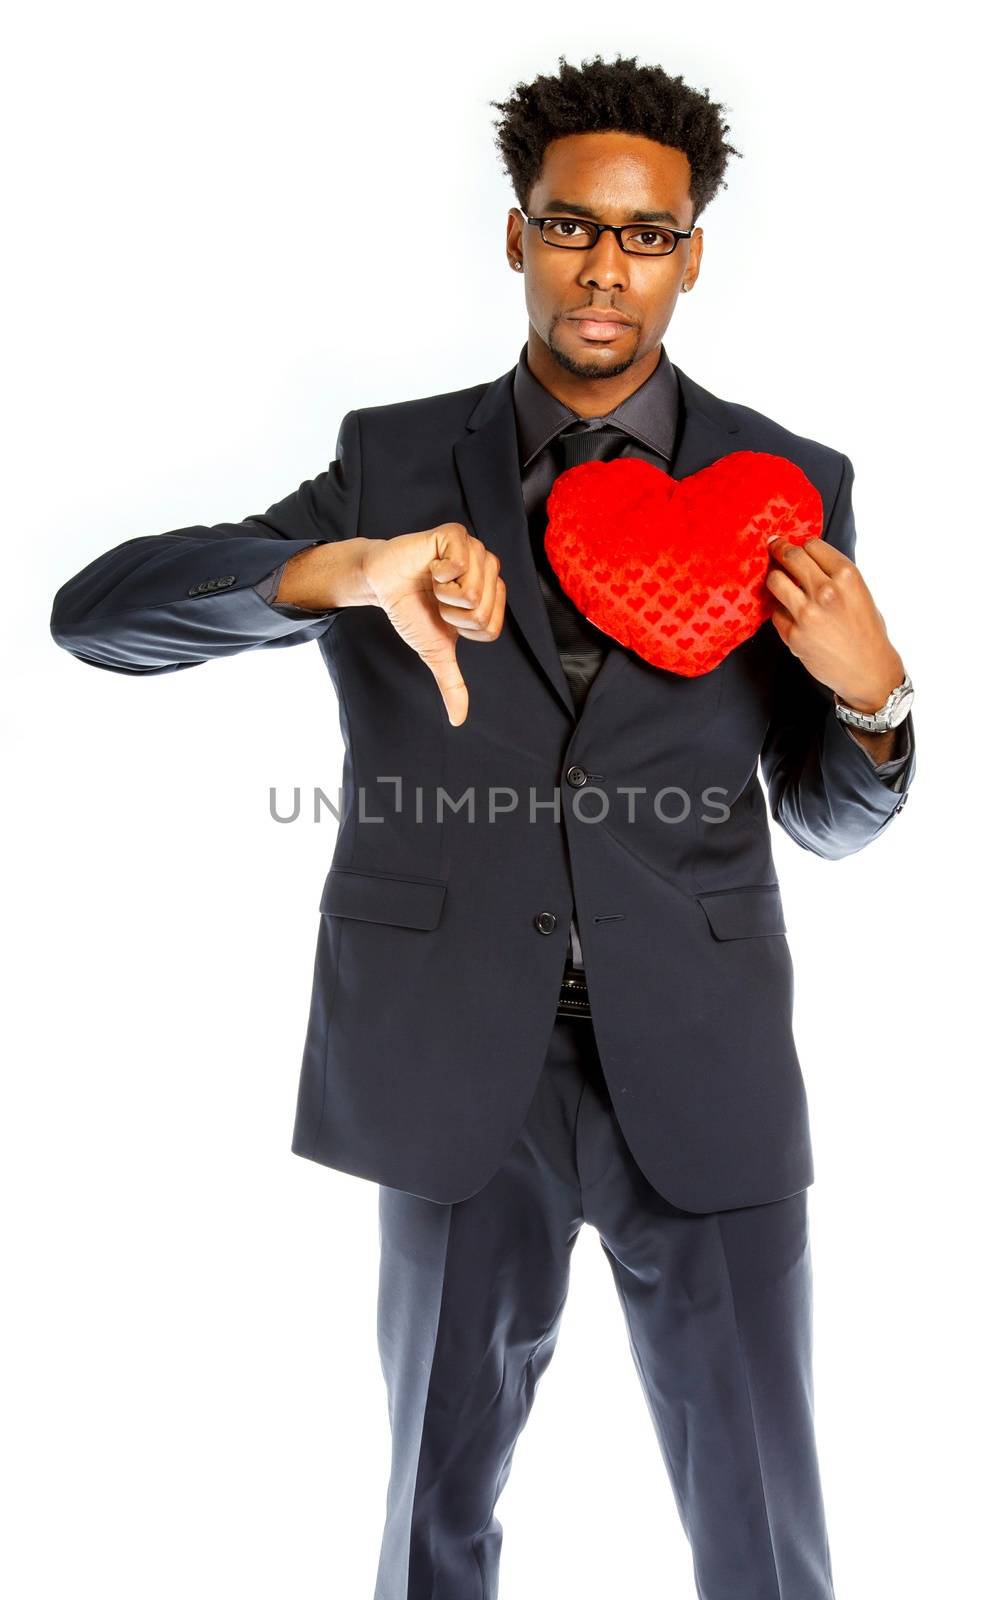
(650, 414)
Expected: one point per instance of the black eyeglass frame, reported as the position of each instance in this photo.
(609, 227)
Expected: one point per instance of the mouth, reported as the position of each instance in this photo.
(598, 330)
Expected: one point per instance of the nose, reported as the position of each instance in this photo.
(605, 264)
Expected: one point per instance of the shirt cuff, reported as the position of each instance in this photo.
(893, 768)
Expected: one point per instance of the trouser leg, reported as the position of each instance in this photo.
(470, 1302)
(718, 1309)
(719, 1315)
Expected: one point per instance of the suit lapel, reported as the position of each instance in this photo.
(488, 468)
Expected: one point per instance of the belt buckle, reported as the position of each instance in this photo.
(573, 994)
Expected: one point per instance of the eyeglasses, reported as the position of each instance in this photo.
(657, 241)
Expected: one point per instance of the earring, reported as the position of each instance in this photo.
(686, 287)
(519, 266)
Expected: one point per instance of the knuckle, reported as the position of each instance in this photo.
(455, 533)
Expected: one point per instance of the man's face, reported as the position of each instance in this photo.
(606, 177)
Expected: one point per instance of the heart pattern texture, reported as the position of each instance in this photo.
(675, 568)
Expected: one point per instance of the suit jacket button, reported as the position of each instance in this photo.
(577, 776)
(545, 922)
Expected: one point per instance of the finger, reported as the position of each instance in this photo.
(499, 610)
(468, 627)
(782, 621)
(461, 590)
(827, 557)
(490, 629)
(473, 601)
(489, 577)
(809, 561)
(445, 572)
(451, 566)
(485, 623)
(791, 596)
(797, 563)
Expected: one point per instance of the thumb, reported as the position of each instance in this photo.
(454, 691)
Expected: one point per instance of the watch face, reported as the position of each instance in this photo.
(901, 711)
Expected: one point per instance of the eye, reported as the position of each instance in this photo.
(652, 240)
(564, 224)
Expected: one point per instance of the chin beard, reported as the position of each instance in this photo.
(592, 370)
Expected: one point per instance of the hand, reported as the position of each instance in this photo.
(437, 587)
(823, 610)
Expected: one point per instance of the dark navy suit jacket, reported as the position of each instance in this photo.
(444, 923)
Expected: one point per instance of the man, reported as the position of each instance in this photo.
(528, 1012)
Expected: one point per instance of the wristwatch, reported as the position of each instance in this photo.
(894, 711)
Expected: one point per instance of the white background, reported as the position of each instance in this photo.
(194, 1402)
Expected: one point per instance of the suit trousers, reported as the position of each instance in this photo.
(718, 1309)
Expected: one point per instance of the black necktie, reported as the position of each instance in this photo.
(581, 645)
(582, 441)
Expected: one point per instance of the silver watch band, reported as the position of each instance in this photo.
(894, 711)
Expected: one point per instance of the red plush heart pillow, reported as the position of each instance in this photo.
(675, 568)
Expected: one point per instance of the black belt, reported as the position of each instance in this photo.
(573, 996)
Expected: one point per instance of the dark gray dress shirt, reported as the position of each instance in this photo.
(651, 418)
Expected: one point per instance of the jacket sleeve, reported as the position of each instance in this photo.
(166, 601)
(824, 788)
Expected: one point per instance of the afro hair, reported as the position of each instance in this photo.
(622, 97)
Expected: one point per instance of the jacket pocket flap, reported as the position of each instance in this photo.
(744, 913)
(377, 897)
